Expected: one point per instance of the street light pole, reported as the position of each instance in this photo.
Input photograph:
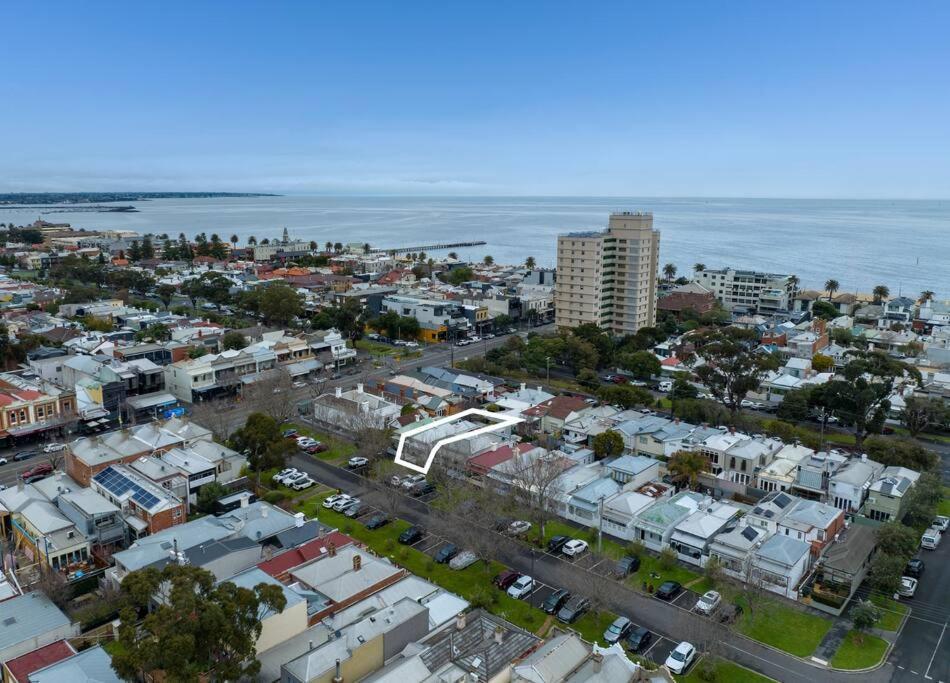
(547, 363)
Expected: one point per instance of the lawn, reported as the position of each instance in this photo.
(473, 583)
(724, 672)
(791, 630)
(892, 612)
(650, 567)
(943, 508)
(859, 651)
(378, 349)
(338, 448)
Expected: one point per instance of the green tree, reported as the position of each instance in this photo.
(864, 615)
(457, 276)
(733, 366)
(682, 389)
(156, 331)
(920, 413)
(502, 321)
(215, 288)
(234, 241)
(529, 262)
(625, 396)
(886, 571)
(280, 303)
(699, 267)
(259, 432)
(795, 406)
(488, 260)
(233, 340)
(880, 293)
(588, 379)
(199, 628)
(923, 499)
(608, 444)
(831, 286)
(824, 310)
(686, 466)
(896, 540)
(822, 363)
(669, 270)
(209, 494)
(165, 294)
(859, 395)
(641, 364)
(900, 452)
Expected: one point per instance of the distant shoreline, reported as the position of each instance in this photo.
(49, 199)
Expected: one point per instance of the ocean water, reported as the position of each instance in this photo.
(902, 244)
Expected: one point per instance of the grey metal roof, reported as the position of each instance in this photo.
(27, 617)
(783, 550)
(89, 666)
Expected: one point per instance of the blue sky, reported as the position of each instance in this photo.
(823, 99)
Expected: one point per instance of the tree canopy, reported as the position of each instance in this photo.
(733, 366)
(608, 444)
(197, 628)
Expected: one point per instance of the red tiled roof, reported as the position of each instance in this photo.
(308, 551)
(485, 461)
(559, 407)
(22, 666)
(670, 362)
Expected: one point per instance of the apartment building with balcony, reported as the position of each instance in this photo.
(438, 320)
(608, 278)
(216, 373)
(749, 290)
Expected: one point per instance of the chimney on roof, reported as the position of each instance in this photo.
(598, 660)
(331, 549)
(298, 520)
(864, 457)
(338, 392)
(357, 563)
(732, 429)
(338, 678)
(359, 388)
(263, 511)
(460, 621)
(676, 420)
(523, 386)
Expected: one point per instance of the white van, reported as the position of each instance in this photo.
(666, 385)
(931, 539)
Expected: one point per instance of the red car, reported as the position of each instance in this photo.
(37, 472)
(316, 448)
(506, 578)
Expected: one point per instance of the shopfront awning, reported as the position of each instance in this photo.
(151, 401)
(304, 367)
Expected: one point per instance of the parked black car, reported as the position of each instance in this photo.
(25, 455)
(575, 608)
(556, 601)
(639, 639)
(668, 590)
(914, 568)
(446, 553)
(557, 542)
(627, 566)
(411, 535)
(377, 521)
(422, 488)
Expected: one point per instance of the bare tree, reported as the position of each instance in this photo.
(53, 584)
(216, 416)
(272, 395)
(535, 481)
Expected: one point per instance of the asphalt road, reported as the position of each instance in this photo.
(922, 652)
(673, 622)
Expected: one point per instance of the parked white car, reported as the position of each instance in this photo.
(294, 479)
(412, 344)
(574, 547)
(940, 522)
(681, 657)
(330, 501)
(347, 505)
(518, 527)
(281, 476)
(521, 588)
(54, 447)
(708, 603)
(908, 587)
(409, 482)
(343, 503)
(464, 559)
(356, 462)
(303, 483)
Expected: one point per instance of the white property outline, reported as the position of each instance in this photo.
(504, 421)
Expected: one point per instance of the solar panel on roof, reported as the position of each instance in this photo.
(749, 533)
(782, 500)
